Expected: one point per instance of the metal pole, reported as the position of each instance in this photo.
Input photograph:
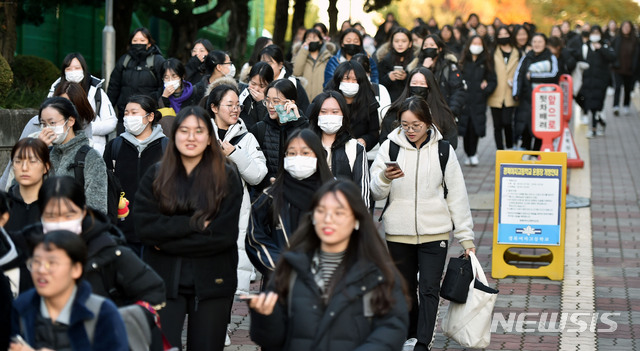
(108, 43)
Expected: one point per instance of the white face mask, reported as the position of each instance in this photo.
(330, 124)
(61, 134)
(300, 167)
(74, 76)
(175, 83)
(232, 71)
(74, 226)
(476, 49)
(349, 89)
(594, 38)
(134, 125)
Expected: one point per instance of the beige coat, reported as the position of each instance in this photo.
(504, 74)
(305, 67)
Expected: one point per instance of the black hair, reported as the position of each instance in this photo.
(37, 147)
(285, 87)
(144, 32)
(206, 43)
(511, 36)
(421, 31)
(419, 107)
(213, 59)
(216, 95)
(365, 245)
(63, 188)
(5, 202)
(544, 36)
(347, 31)
(148, 104)
(78, 97)
(514, 34)
(323, 28)
(66, 62)
(596, 27)
(556, 42)
(72, 244)
(64, 107)
(344, 133)
(322, 168)
(486, 54)
(174, 65)
(277, 55)
(263, 70)
(407, 54)
(257, 47)
(312, 31)
(364, 97)
(363, 60)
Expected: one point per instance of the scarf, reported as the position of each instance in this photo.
(298, 194)
(176, 102)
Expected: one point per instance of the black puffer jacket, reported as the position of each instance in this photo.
(594, 79)
(344, 323)
(475, 109)
(272, 136)
(135, 79)
(195, 70)
(176, 249)
(252, 111)
(21, 213)
(452, 87)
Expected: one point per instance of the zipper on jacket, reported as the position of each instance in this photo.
(416, 196)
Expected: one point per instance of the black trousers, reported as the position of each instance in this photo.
(428, 259)
(627, 81)
(207, 323)
(470, 140)
(503, 124)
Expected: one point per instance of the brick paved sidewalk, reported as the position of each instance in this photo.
(614, 220)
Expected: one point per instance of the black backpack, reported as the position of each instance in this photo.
(114, 189)
(443, 153)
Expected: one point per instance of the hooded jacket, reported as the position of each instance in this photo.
(21, 214)
(63, 156)
(135, 79)
(252, 166)
(129, 165)
(344, 323)
(310, 69)
(386, 63)
(110, 333)
(106, 118)
(418, 211)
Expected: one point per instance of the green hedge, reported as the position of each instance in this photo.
(6, 77)
(34, 72)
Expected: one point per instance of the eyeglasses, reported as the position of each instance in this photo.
(31, 162)
(336, 216)
(35, 265)
(234, 107)
(415, 127)
(52, 124)
(274, 102)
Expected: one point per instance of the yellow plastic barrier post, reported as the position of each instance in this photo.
(529, 212)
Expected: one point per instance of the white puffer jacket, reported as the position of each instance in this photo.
(252, 166)
(416, 201)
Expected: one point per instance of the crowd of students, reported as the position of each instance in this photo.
(275, 168)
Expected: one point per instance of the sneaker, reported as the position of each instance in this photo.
(600, 130)
(626, 110)
(591, 134)
(409, 344)
(616, 111)
(227, 340)
(467, 162)
(474, 160)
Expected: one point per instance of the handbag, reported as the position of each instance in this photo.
(469, 323)
(455, 286)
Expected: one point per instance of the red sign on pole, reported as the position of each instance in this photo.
(546, 114)
(566, 84)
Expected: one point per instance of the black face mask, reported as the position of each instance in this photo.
(351, 49)
(314, 46)
(430, 52)
(137, 49)
(585, 33)
(503, 41)
(423, 92)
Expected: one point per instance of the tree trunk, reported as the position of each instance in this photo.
(299, 11)
(122, 12)
(8, 36)
(281, 23)
(333, 18)
(238, 26)
(183, 34)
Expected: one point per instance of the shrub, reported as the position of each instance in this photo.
(6, 77)
(34, 72)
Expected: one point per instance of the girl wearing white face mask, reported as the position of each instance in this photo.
(177, 92)
(75, 70)
(133, 152)
(275, 215)
(477, 70)
(112, 269)
(219, 66)
(346, 158)
(62, 128)
(351, 80)
(273, 55)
